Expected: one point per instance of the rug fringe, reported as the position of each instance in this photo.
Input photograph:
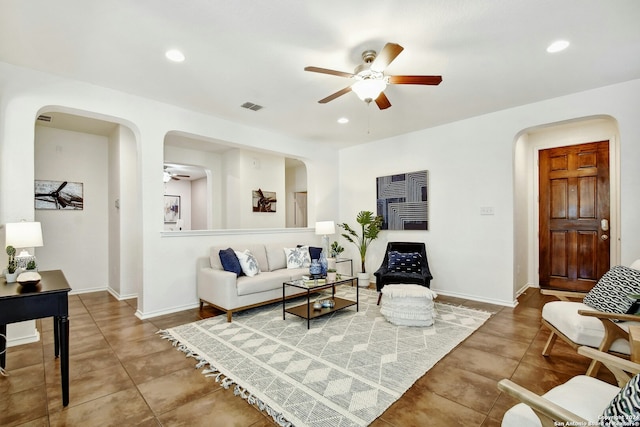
(224, 381)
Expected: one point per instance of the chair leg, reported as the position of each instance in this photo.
(379, 297)
(550, 342)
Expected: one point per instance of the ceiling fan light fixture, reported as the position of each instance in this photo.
(369, 89)
(166, 177)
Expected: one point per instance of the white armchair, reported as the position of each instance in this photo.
(579, 324)
(580, 401)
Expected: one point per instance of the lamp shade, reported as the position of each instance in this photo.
(24, 234)
(325, 227)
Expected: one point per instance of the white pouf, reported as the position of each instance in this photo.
(408, 305)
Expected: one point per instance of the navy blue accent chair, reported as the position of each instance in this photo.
(388, 276)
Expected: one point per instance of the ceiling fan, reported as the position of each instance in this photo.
(168, 175)
(370, 80)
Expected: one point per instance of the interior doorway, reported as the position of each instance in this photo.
(300, 209)
(528, 143)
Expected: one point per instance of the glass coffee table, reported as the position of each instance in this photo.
(307, 311)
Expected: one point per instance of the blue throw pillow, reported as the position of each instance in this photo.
(230, 261)
(400, 262)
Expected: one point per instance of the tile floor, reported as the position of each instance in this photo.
(122, 374)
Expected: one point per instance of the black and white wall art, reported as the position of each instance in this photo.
(60, 195)
(402, 201)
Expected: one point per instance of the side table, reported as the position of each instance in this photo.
(48, 298)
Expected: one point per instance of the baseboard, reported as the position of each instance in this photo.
(87, 291)
(144, 316)
(119, 297)
(510, 304)
(25, 339)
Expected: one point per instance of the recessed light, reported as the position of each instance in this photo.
(557, 46)
(343, 120)
(174, 55)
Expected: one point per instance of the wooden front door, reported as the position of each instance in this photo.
(574, 216)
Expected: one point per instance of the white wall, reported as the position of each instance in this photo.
(75, 241)
(166, 263)
(471, 165)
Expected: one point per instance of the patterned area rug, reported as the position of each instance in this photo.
(344, 371)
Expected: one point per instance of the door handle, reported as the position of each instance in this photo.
(604, 225)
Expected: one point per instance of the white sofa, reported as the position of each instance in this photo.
(230, 293)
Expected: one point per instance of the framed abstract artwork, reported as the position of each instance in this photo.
(402, 201)
(171, 209)
(59, 195)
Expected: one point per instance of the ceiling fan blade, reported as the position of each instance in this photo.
(335, 95)
(388, 53)
(183, 176)
(382, 101)
(415, 80)
(327, 71)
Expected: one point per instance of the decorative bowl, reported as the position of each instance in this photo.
(28, 279)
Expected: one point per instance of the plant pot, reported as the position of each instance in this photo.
(11, 277)
(331, 276)
(331, 263)
(363, 280)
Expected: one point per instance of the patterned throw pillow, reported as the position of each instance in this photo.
(400, 262)
(298, 257)
(229, 261)
(248, 263)
(624, 409)
(610, 293)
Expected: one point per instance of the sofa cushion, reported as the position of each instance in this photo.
(276, 257)
(571, 396)
(610, 293)
(583, 330)
(248, 263)
(230, 261)
(400, 262)
(298, 257)
(269, 280)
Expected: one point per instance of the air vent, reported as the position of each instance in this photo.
(252, 106)
(44, 118)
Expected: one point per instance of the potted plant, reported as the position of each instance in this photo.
(370, 226)
(332, 274)
(334, 252)
(12, 266)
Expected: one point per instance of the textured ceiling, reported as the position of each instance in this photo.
(491, 54)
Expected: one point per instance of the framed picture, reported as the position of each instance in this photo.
(59, 195)
(264, 201)
(402, 201)
(171, 209)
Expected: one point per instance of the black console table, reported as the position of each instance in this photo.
(47, 298)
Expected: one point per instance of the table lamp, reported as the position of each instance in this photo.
(23, 235)
(324, 228)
